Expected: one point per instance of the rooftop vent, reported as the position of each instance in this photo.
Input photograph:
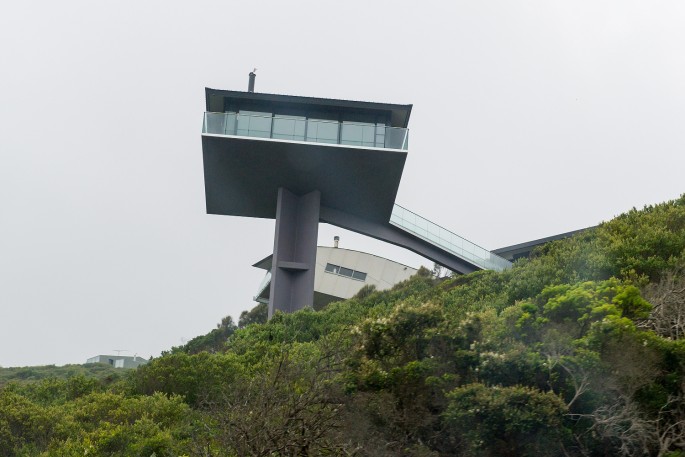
(250, 85)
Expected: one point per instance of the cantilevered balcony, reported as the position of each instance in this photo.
(302, 129)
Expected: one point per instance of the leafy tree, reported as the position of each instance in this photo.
(191, 376)
(289, 405)
(213, 341)
(507, 421)
(257, 315)
(645, 242)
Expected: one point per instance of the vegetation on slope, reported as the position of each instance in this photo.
(100, 371)
(578, 351)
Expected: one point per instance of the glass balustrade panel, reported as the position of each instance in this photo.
(321, 131)
(358, 134)
(380, 135)
(446, 240)
(289, 128)
(214, 123)
(266, 281)
(395, 138)
(255, 124)
(299, 128)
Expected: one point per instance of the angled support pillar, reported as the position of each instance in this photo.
(294, 259)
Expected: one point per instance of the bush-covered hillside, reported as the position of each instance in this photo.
(578, 351)
(100, 371)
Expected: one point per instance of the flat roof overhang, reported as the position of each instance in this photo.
(524, 249)
(243, 174)
(215, 100)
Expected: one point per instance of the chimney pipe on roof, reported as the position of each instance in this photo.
(336, 239)
(250, 86)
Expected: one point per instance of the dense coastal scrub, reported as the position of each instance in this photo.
(577, 351)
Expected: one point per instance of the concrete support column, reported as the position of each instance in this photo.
(294, 259)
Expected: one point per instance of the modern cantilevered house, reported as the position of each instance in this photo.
(305, 160)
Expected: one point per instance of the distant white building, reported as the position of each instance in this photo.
(119, 361)
(341, 273)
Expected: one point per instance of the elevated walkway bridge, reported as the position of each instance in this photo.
(411, 231)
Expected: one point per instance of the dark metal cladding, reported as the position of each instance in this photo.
(294, 258)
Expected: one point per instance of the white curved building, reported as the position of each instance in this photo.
(341, 273)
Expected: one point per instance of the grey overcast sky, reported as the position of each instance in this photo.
(530, 118)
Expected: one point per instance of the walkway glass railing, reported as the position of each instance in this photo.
(444, 239)
(266, 282)
(297, 128)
